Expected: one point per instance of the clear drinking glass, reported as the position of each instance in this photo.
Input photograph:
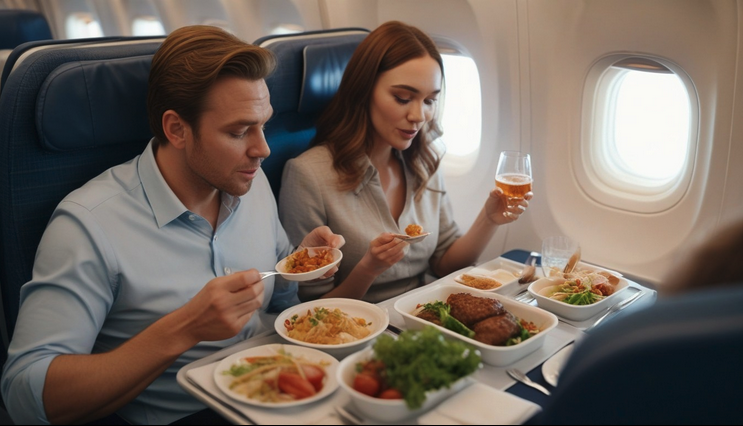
(556, 252)
(513, 175)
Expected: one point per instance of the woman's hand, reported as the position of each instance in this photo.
(384, 251)
(501, 209)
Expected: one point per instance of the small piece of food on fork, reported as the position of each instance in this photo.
(413, 230)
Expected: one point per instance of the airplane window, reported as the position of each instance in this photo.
(219, 23)
(639, 134)
(461, 113)
(82, 25)
(287, 29)
(650, 126)
(147, 26)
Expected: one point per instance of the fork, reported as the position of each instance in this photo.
(264, 275)
(524, 297)
(519, 375)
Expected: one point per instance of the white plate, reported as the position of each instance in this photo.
(412, 240)
(372, 313)
(552, 368)
(494, 355)
(331, 381)
(311, 275)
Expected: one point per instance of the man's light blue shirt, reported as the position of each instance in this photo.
(120, 253)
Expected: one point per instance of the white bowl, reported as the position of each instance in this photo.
(493, 355)
(573, 312)
(311, 275)
(373, 314)
(388, 410)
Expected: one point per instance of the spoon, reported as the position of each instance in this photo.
(574, 259)
(519, 375)
(528, 274)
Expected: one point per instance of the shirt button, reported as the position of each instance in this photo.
(216, 238)
(227, 271)
(192, 217)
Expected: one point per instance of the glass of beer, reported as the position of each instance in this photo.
(513, 175)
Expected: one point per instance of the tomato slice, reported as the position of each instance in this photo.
(315, 375)
(296, 386)
(390, 393)
(366, 384)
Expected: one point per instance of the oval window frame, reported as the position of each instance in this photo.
(457, 164)
(618, 190)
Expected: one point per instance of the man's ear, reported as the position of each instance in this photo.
(175, 129)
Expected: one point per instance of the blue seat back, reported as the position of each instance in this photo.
(66, 115)
(309, 71)
(679, 361)
(18, 26)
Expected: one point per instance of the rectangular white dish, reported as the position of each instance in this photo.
(494, 355)
(505, 271)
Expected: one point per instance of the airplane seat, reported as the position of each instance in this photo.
(18, 26)
(66, 115)
(676, 362)
(309, 71)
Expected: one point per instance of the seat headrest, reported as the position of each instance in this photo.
(20, 26)
(86, 104)
(323, 70)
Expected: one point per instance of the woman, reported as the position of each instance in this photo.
(372, 171)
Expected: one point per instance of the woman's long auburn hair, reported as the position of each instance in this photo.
(345, 124)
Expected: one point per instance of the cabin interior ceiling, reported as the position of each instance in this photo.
(533, 57)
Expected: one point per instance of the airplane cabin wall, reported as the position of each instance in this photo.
(565, 38)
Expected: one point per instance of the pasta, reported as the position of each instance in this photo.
(327, 327)
(276, 379)
(301, 261)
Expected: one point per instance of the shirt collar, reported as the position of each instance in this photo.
(371, 171)
(165, 204)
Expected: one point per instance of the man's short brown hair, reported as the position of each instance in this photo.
(188, 63)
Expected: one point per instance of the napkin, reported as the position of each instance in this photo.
(480, 404)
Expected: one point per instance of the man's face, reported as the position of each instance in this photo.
(229, 147)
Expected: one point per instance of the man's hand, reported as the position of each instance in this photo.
(322, 236)
(222, 308)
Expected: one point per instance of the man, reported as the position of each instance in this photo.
(154, 263)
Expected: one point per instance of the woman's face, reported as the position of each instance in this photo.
(403, 101)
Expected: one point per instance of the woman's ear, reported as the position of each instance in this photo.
(175, 128)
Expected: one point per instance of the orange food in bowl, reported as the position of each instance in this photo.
(414, 230)
(301, 261)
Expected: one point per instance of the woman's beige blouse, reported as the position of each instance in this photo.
(310, 197)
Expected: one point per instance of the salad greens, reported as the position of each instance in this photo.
(586, 297)
(420, 361)
(442, 310)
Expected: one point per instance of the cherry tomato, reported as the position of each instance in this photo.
(366, 384)
(296, 386)
(315, 375)
(390, 394)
